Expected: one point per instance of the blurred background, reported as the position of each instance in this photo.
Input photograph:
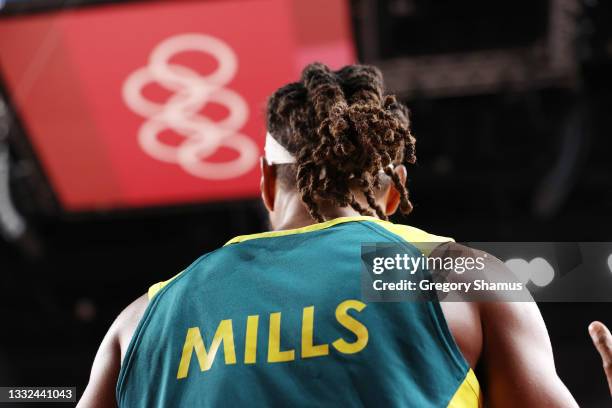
(130, 134)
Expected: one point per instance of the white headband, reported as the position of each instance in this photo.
(276, 153)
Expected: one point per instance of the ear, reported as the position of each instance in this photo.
(393, 196)
(268, 183)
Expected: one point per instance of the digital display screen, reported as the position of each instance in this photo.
(158, 103)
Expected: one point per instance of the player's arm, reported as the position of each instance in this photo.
(100, 391)
(517, 357)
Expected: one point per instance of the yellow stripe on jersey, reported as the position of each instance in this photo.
(410, 234)
(153, 289)
(424, 241)
(468, 394)
(308, 228)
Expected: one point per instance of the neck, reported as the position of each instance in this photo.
(292, 213)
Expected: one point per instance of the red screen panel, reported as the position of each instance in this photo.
(156, 103)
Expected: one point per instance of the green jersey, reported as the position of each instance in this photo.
(278, 319)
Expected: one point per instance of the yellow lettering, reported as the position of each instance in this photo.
(308, 347)
(250, 345)
(225, 334)
(194, 342)
(275, 355)
(353, 325)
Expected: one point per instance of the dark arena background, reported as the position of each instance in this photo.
(510, 104)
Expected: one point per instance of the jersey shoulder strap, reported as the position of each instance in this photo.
(423, 240)
(154, 289)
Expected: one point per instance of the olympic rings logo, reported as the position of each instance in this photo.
(192, 91)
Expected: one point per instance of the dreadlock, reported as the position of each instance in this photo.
(344, 132)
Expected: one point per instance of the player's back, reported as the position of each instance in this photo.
(278, 319)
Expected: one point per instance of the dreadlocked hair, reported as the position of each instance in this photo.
(344, 132)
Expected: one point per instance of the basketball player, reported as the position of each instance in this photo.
(278, 319)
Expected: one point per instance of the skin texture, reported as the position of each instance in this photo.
(507, 343)
(602, 339)
(100, 391)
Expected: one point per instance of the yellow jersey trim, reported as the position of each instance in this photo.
(410, 234)
(424, 241)
(468, 394)
(154, 289)
(308, 228)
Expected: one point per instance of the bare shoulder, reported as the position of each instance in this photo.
(516, 351)
(463, 317)
(127, 321)
(489, 278)
(502, 308)
(100, 391)
(455, 250)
